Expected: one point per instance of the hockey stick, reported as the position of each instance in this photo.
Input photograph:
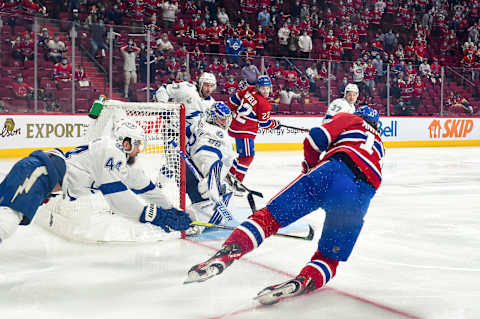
(221, 206)
(309, 237)
(301, 129)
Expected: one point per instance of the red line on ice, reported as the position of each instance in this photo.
(340, 292)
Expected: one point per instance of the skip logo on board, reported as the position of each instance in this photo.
(450, 128)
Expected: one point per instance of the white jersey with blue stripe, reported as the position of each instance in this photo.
(208, 143)
(101, 166)
(186, 93)
(337, 106)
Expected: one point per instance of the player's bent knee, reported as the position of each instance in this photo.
(264, 218)
(9, 220)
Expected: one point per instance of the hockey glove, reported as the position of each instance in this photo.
(168, 219)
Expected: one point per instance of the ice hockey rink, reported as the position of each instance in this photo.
(418, 256)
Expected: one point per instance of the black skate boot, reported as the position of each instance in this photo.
(215, 265)
(291, 288)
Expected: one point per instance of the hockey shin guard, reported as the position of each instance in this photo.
(320, 270)
(251, 233)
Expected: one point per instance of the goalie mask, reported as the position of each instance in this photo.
(130, 131)
(220, 115)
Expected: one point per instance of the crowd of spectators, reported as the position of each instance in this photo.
(413, 39)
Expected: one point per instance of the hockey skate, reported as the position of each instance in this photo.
(235, 185)
(291, 288)
(215, 265)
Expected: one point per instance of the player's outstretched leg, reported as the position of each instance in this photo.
(313, 276)
(246, 237)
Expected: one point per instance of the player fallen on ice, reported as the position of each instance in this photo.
(99, 166)
(342, 183)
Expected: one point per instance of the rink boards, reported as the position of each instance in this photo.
(21, 133)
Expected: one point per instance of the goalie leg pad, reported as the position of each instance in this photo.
(9, 220)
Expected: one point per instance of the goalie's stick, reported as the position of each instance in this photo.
(301, 129)
(221, 206)
(309, 237)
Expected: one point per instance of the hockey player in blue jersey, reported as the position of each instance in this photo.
(102, 165)
(342, 183)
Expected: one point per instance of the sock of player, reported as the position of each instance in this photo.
(320, 269)
(240, 167)
(251, 233)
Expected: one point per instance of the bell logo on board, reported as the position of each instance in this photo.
(450, 128)
(9, 128)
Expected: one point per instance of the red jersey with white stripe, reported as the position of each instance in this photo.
(251, 112)
(350, 134)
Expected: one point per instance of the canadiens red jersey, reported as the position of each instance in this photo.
(349, 134)
(251, 112)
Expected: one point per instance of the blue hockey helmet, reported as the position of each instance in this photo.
(264, 80)
(219, 114)
(368, 114)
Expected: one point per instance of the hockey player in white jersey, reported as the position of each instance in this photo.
(196, 99)
(211, 150)
(345, 104)
(99, 166)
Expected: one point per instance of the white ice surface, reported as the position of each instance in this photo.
(418, 256)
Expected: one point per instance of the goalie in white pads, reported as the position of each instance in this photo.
(345, 104)
(211, 150)
(102, 165)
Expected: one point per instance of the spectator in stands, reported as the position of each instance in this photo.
(43, 38)
(424, 69)
(312, 75)
(144, 62)
(230, 86)
(264, 18)
(183, 74)
(402, 108)
(222, 16)
(283, 37)
(24, 49)
(275, 70)
(22, 90)
(436, 71)
(234, 47)
(129, 52)
(287, 94)
(115, 14)
(390, 41)
(62, 71)
(164, 44)
(358, 70)
(455, 102)
(370, 75)
(250, 72)
(173, 68)
(81, 76)
(260, 40)
(290, 76)
(378, 64)
(305, 45)
(418, 88)
(3, 107)
(97, 37)
(169, 11)
(56, 48)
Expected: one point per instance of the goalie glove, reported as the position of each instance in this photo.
(168, 219)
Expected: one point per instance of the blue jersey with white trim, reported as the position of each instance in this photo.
(349, 134)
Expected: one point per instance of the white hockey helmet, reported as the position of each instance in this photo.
(207, 77)
(124, 129)
(350, 88)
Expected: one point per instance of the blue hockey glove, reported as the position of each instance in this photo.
(168, 219)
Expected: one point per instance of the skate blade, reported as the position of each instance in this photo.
(270, 296)
(194, 276)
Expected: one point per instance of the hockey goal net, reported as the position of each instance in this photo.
(90, 219)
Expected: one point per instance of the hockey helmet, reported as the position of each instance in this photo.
(220, 115)
(264, 80)
(207, 77)
(350, 88)
(125, 129)
(368, 114)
